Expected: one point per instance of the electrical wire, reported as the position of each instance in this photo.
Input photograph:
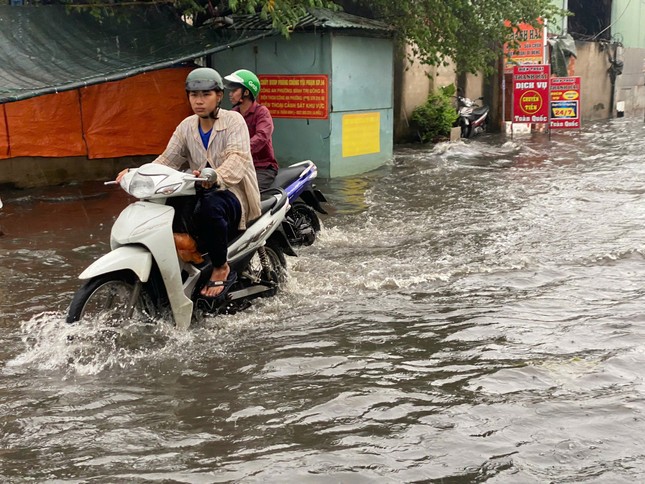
(614, 22)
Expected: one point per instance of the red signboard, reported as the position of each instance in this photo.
(530, 47)
(295, 96)
(531, 94)
(565, 103)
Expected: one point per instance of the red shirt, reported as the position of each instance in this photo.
(260, 124)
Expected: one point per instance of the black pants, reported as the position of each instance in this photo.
(265, 177)
(216, 219)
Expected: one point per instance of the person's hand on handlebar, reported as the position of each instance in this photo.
(210, 175)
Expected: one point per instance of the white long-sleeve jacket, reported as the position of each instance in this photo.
(229, 153)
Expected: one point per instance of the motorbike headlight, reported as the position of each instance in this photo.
(141, 186)
(169, 189)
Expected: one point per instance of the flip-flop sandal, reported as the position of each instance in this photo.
(230, 280)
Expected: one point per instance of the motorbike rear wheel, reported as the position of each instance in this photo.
(305, 224)
(107, 298)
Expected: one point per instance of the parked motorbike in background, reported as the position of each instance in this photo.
(473, 117)
(301, 222)
(152, 270)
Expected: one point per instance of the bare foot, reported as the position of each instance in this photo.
(218, 274)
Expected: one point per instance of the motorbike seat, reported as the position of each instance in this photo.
(272, 203)
(269, 203)
(478, 111)
(285, 176)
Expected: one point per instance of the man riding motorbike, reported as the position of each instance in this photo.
(244, 88)
(216, 138)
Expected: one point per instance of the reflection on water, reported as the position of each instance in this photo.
(348, 193)
(471, 312)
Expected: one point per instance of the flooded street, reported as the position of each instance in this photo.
(471, 312)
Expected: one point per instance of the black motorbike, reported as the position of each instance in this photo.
(301, 223)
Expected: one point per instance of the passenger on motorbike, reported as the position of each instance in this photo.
(244, 88)
(217, 138)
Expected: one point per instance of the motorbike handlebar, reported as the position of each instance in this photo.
(208, 175)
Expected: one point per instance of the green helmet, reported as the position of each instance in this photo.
(246, 79)
(204, 79)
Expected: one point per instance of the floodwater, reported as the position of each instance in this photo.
(472, 312)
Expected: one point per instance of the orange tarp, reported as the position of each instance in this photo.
(47, 125)
(134, 116)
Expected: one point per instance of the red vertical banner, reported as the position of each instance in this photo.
(4, 133)
(531, 94)
(565, 103)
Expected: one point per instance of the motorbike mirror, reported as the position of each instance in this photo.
(209, 174)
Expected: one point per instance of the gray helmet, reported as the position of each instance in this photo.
(204, 79)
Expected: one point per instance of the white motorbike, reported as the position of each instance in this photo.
(152, 271)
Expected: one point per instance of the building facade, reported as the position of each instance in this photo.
(329, 88)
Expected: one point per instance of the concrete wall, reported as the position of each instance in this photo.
(361, 95)
(31, 172)
(630, 86)
(592, 65)
(413, 82)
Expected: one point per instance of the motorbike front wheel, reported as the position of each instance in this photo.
(277, 265)
(113, 297)
(466, 130)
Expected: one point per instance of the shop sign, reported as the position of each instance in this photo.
(531, 94)
(565, 103)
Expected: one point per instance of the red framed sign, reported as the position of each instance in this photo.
(295, 96)
(565, 103)
(531, 93)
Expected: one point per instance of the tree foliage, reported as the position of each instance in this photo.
(437, 115)
(469, 32)
(283, 13)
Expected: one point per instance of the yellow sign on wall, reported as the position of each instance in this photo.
(361, 134)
